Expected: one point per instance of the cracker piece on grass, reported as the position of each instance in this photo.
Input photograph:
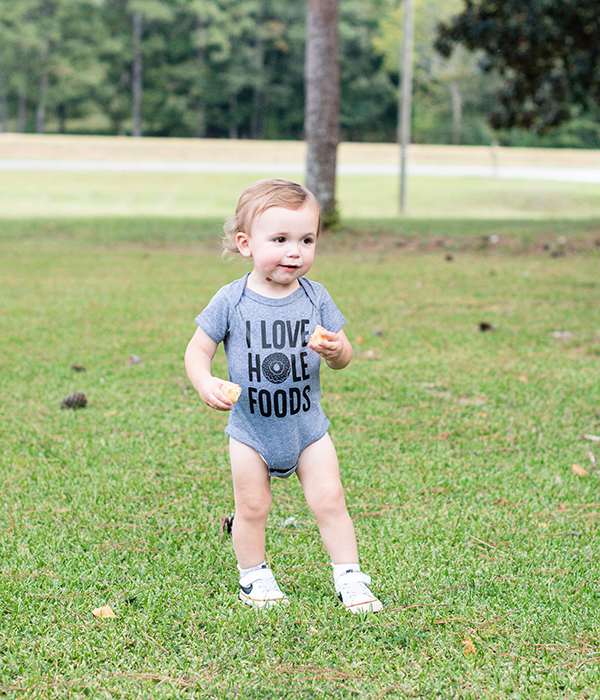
(104, 611)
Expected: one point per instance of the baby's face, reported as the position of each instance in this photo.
(282, 243)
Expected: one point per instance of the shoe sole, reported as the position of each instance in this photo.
(262, 604)
(372, 606)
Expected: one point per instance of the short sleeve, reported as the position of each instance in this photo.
(331, 317)
(214, 320)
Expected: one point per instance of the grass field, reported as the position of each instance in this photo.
(48, 193)
(457, 447)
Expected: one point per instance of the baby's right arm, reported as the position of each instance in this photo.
(198, 358)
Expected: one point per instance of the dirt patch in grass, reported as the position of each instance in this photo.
(556, 238)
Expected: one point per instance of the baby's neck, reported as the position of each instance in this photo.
(268, 288)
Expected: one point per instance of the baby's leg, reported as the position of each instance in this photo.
(319, 475)
(252, 494)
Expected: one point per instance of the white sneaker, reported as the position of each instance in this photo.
(260, 590)
(354, 594)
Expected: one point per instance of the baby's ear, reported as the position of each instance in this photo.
(242, 241)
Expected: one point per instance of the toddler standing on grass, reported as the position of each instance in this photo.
(277, 427)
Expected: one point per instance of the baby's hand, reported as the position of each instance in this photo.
(213, 396)
(335, 348)
(327, 344)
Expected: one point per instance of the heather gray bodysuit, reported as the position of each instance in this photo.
(266, 343)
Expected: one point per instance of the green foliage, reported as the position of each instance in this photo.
(210, 67)
(227, 68)
(368, 101)
(456, 449)
(546, 53)
(580, 132)
(437, 80)
(49, 59)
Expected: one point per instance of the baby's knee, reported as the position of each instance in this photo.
(254, 510)
(329, 501)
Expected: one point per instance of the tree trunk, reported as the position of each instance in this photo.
(257, 122)
(3, 106)
(233, 109)
(22, 92)
(61, 114)
(22, 113)
(456, 112)
(40, 114)
(138, 66)
(322, 110)
(200, 102)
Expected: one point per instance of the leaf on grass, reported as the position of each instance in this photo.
(472, 401)
(469, 647)
(579, 471)
(594, 438)
(563, 335)
(104, 611)
(523, 378)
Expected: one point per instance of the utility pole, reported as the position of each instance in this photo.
(405, 94)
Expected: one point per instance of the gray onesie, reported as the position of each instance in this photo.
(266, 343)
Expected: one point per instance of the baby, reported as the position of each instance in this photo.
(277, 426)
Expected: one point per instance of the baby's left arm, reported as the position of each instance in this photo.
(334, 348)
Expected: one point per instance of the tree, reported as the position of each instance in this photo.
(450, 94)
(368, 102)
(226, 64)
(322, 110)
(546, 52)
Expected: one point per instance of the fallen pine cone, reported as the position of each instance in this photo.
(76, 400)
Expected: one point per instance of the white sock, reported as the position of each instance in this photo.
(243, 572)
(341, 569)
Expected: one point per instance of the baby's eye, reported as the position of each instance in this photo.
(308, 240)
(280, 239)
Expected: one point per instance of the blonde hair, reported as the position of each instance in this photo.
(256, 199)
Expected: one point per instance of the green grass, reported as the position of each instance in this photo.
(456, 445)
(50, 194)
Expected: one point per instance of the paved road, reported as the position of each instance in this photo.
(581, 175)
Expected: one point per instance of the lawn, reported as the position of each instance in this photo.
(26, 194)
(49, 194)
(474, 493)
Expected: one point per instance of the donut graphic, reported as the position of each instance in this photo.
(276, 367)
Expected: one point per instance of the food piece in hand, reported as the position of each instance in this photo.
(317, 335)
(232, 391)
